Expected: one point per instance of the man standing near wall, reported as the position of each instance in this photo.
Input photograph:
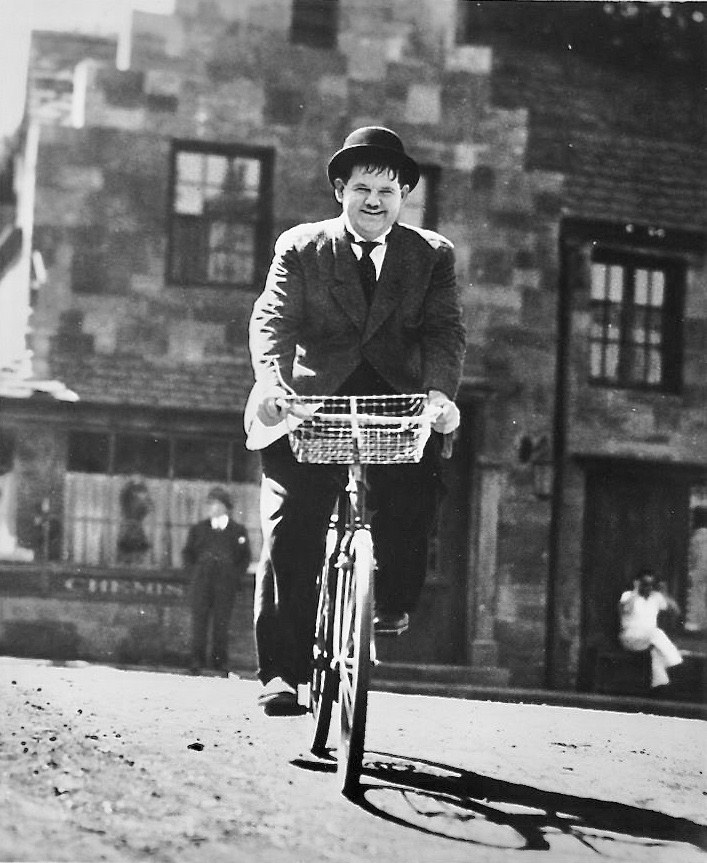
(218, 552)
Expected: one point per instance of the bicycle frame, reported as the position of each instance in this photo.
(354, 431)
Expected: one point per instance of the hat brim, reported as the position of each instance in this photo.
(363, 154)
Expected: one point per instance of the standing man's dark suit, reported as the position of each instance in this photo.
(218, 557)
(312, 326)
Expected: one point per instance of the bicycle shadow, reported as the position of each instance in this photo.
(446, 801)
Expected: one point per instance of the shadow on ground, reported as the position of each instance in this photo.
(457, 804)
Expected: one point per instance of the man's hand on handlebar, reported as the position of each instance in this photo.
(278, 404)
(271, 409)
(449, 417)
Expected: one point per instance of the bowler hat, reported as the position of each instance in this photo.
(374, 144)
(219, 493)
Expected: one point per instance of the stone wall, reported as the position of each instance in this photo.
(120, 618)
(523, 137)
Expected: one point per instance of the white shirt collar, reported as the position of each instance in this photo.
(219, 522)
(382, 238)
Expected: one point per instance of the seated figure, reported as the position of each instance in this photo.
(639, 610)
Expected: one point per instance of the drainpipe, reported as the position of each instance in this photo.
(559, 445)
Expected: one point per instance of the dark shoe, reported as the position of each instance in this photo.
(284, 705)
(278, 698)
(391, 623)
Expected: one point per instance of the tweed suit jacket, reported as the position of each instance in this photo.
(313, 321)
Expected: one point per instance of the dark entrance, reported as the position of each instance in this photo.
(636, 515)
(438, 630)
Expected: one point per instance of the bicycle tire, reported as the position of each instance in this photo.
(354, 601)
(325, 678)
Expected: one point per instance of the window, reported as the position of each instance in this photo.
(220, 221)
(420, 208)
(315, 23)
(89, 452)
(166, 456)
(635, 334)
(129, 498)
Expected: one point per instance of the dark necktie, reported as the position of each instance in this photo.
(367, 269)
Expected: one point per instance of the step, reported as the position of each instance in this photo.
(442, 675)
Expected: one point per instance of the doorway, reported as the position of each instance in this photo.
(636, 515)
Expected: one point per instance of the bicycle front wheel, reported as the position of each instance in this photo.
(355, 610)
(324, 678)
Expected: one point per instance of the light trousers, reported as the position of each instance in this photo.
(664, 654)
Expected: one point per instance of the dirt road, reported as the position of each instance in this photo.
(102, 764)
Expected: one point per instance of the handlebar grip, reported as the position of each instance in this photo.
(447, 445)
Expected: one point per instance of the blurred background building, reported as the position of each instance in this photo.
(563, 152)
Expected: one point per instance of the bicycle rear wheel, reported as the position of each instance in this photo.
(355, 608)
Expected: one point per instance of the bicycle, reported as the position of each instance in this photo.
(354, 431)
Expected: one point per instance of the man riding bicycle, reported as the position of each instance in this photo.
(356, 305)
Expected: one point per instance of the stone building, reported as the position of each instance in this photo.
(569, 173)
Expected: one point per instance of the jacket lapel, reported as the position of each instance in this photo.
(391, 286)
(346, 288)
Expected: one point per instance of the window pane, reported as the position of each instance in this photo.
(595, 355)
(598, 288)
(597, 327)
(657, 288)
(637, 334)
(232, 253)
(190, 168)
(655, 367)
(188, 201)
(245, 177)
(216, 170)
(636, 364)
(88, 452)
(612, 361)
(141, 454)
(613, 323)
(616, 284)
(640, 295)
(201, 458)
(188, 197)
(654, 327)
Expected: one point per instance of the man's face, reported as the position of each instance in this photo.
(215, 508)
(371, 200)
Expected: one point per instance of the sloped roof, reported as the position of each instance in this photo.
(220, 385)
(633, 179)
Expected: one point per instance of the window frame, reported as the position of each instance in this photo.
(630, 261)
(262, 224)
(237, 469)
